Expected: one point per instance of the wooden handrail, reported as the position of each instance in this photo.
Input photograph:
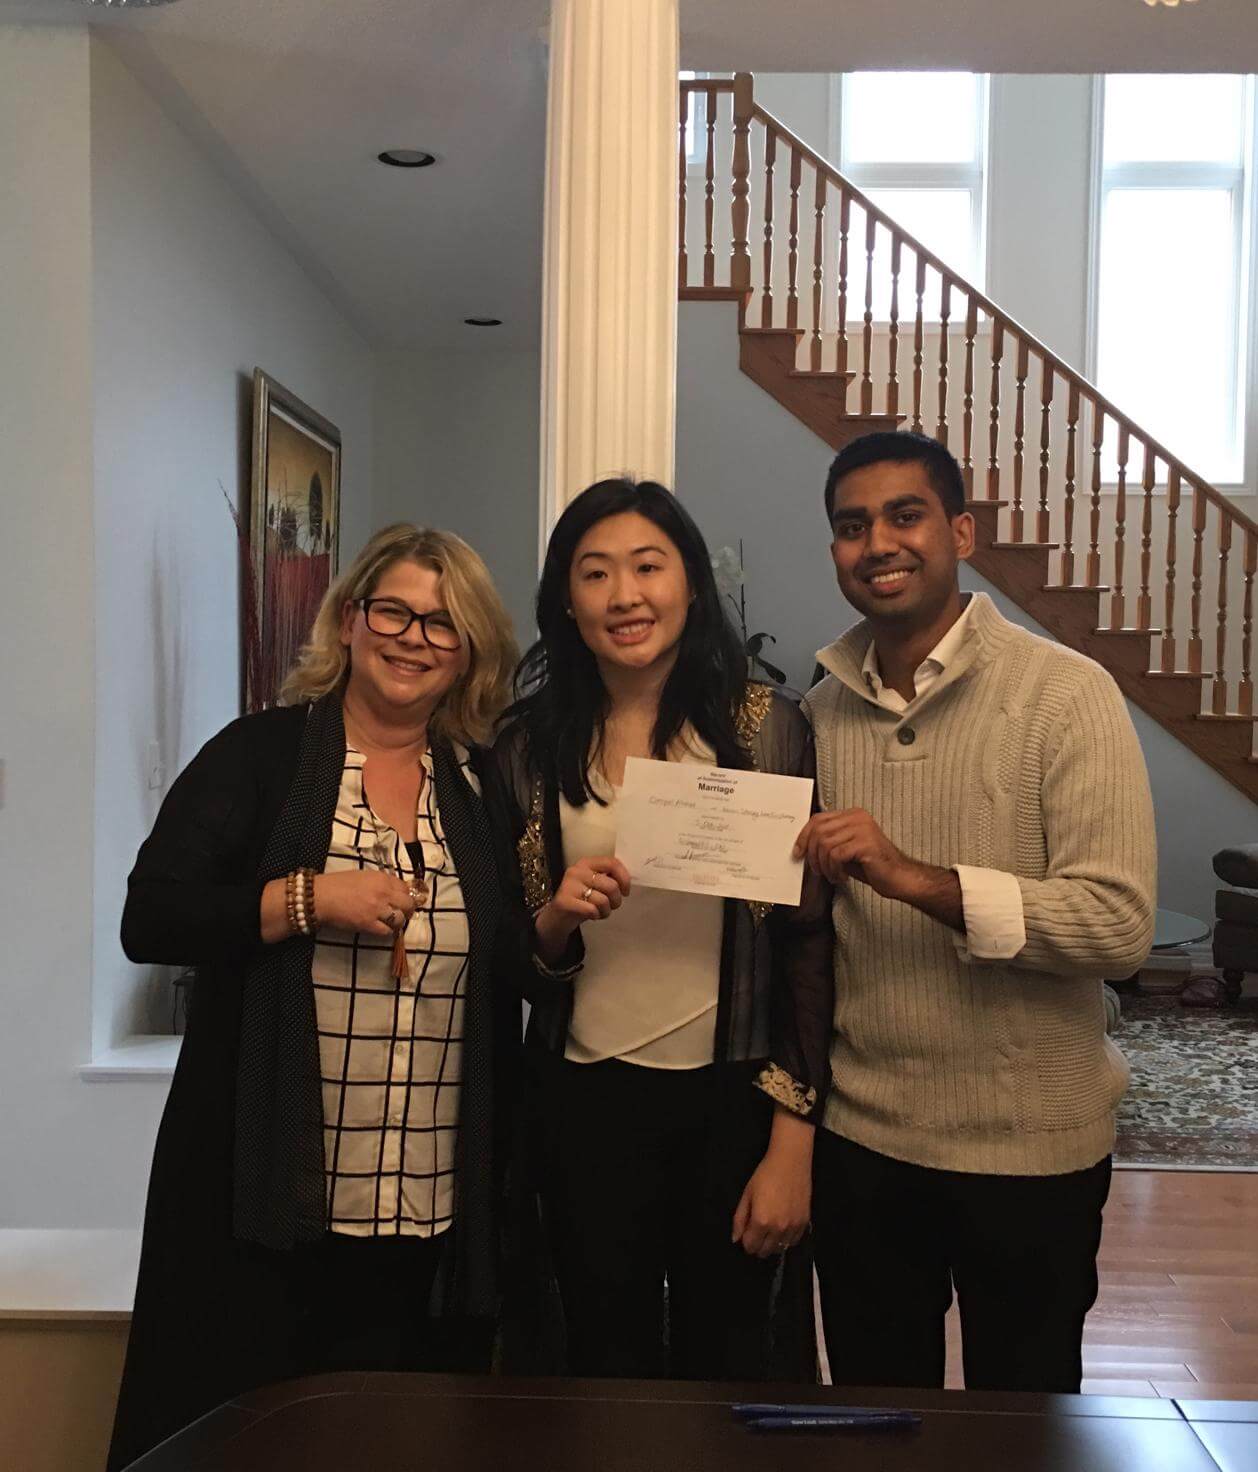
(1071, 479)
(1060, 368)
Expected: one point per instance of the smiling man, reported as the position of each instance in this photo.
(989, 829)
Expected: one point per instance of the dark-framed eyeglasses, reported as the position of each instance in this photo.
(391, 618)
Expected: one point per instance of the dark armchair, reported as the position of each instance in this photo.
(1236, 917)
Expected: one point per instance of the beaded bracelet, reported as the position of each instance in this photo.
(299, 890)
(290, 902)
(308, 879)
(299, 902)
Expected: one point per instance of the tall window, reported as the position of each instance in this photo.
(916, 144)
(696, 122)
(1171, 288)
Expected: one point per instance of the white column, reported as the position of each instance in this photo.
(609, 307)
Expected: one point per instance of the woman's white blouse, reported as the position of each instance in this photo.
(648, 990)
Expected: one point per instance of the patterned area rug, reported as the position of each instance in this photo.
(1193, 1101)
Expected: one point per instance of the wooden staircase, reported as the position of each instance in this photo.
(1060, 488)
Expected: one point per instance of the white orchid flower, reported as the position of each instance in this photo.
(727, 569)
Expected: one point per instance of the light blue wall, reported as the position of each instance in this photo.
(190, 292)
(456, 448)
(138, 293)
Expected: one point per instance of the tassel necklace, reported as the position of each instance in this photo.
(383, 857)
(384, 860)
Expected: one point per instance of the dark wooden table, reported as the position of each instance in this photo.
(409, 1423)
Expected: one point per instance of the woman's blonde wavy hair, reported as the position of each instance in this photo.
(476, 699)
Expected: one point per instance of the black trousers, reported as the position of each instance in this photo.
(361, 1303)
(344, 1303)
(891, 1240)
(641, 1173)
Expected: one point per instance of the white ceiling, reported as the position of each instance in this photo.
(294, 98)
(970, 35)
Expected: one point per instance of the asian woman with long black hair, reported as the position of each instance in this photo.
(678, 1042)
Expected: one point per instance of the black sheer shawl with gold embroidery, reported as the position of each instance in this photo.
(776, 1005)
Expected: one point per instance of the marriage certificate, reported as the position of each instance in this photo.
(710, 830)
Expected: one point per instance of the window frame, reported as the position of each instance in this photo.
(697, 144)
(1239, 181)
(975, 176)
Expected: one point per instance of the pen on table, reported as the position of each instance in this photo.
(891, 1421)
(761, 1409)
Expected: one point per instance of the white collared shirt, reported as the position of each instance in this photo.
(926, 673)
(991, 900)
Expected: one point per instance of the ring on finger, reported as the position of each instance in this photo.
(415, 893)
(587, 892)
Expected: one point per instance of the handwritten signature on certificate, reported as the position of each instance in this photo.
(710, 830)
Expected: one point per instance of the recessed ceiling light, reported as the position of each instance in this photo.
(406, 158)
(483, 321)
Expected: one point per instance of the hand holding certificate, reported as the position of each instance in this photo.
(712, 830)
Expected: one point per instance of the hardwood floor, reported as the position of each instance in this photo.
(1178, 1309)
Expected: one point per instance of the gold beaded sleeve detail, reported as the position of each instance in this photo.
(531, 853)
(756, 703)
(786, 1091)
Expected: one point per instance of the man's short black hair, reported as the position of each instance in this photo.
(904, 448)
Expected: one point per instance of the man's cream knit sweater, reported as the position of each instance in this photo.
(1021, 757)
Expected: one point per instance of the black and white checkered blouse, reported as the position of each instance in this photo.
(390, 1051)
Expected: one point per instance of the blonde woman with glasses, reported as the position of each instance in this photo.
(325, 1168)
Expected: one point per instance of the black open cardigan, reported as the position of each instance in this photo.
(194, 898)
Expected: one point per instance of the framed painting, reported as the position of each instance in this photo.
(294, 530)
